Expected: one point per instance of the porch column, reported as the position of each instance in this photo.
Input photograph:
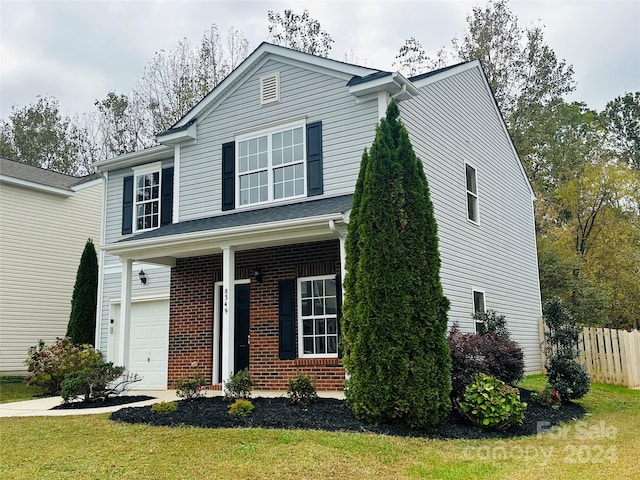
(343, 260)
(125, 313)
(228, 310)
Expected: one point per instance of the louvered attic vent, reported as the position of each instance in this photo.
(269, 88)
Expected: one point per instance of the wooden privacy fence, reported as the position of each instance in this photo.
(610, 356)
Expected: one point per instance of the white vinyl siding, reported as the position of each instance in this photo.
(42, 237)
(451, 123)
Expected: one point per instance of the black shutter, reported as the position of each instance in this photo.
(339, 311)
(127, 205)
(314, 159)
(166, 202)
(228, 176)
(287, 320)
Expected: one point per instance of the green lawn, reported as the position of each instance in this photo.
(603, 445)
(13, 389)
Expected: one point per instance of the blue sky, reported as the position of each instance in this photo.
(77, 51)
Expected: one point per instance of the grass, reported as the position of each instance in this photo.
(13, 389)
(601, 446)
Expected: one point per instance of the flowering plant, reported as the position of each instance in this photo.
(547, 398)
(191, 387)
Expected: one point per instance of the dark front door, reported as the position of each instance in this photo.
(241, 349)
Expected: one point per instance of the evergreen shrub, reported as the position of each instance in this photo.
(82, 320)
(241, 408)
(90, 383)
(394, 315)
(568, 377)
(239, 386)
(302, 389)
(191, 387)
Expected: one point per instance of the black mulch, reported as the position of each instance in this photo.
(333, 415)
(107, 402)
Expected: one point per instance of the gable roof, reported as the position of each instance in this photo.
(20, 173)
(258, 56)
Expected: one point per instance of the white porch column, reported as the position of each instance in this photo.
(125, 313)
(228, 309)
(343, 260)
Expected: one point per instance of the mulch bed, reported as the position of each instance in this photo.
(333, 415)
(107, 402)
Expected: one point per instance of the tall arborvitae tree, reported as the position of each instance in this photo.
(395, 321)
(82, 321)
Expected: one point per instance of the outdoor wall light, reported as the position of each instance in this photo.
(258, 274)
(143, 277)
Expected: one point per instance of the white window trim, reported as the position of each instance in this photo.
(476, 194)
(144, 170)
(473, 304)
(301, 353)
(268, 132)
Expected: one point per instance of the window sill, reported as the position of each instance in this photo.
(325, 361)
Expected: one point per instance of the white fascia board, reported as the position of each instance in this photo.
(158, 152)
(173, 138)
(37, 186)
(238, 237)
(394, 84)
(92, 183)
(448, 73)
(258, 58)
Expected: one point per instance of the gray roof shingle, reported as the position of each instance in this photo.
(29, 173)
(306, 209)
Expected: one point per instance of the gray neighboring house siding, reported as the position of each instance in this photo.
(451, 122)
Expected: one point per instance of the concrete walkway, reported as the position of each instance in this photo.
(41, 407)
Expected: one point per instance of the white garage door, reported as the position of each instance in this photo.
(149, 344)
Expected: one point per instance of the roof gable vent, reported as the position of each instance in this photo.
(269, 88)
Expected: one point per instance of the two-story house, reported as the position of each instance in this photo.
(46, 218)
(224, 245)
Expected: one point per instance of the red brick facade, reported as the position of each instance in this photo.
(191, 314)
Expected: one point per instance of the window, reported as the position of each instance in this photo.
(478, 306)
(472, 194)
(271, 165)
(317, 317)
(146, 197)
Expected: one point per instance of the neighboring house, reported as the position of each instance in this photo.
(224, 245)
(45, 220)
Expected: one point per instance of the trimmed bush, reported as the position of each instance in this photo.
(90, 383)
(82, 320)
(191, 387)
(302, 389)
(568, 377)
(164, 408)
(490, 353)
(490, 403)
(394, 317)
(241, 408)
(239, 386)
(48, 365)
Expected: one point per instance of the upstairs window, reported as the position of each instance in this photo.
(318, 317)
(271, 165)
(478, 307)
(146, 197)
(472, 194)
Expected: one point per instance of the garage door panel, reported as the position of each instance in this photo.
(149, 343)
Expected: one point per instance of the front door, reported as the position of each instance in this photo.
(241, 347)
